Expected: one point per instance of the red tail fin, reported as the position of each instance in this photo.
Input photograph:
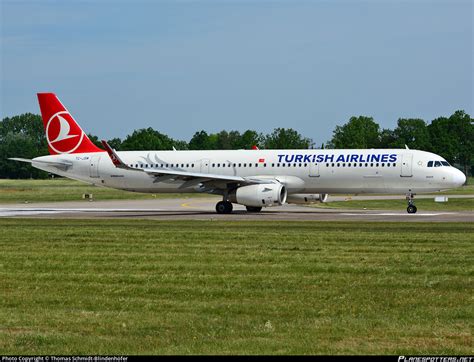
(62, 132)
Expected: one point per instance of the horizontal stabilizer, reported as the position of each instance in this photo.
(21, 160)
(59, 164)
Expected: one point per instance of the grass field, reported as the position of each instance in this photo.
(209, 287)
(60, 189)
(422, 205)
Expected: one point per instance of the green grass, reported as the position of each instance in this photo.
(422, 204)
(209, 287)
(60, 189)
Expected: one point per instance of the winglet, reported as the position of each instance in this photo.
(113, 155)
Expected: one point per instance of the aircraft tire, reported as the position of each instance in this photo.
(224, 207)
(411, 209)
(253, 209)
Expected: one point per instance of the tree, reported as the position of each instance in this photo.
(115, 143)
(453, 138)
(359, 132)
(228, 140)
(200, 141)
(147, 139)
(412, 132)
(286, 138)
(22, 136)
(387, 138)
(250, 138)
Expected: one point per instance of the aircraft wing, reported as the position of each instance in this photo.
(192, 177)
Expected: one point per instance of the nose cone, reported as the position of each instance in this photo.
(458, 178)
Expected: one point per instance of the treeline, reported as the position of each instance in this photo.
(451, 137)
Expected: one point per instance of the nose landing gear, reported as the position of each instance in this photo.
(411, 209)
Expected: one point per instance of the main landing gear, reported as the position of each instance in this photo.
(224, 207)
(253, 208)
(411, 209)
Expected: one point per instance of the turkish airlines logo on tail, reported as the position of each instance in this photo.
(63, 134)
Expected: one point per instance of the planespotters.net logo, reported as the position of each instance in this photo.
(62, 133)
(436, 359)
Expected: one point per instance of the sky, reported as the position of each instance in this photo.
(184, 66)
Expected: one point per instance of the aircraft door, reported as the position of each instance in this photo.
(205, 166)
(94, 167)
(406, 167)
(314, 170)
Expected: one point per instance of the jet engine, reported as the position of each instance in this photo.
(261, 195)
(306, 198)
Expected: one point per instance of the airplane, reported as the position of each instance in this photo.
(254, 178)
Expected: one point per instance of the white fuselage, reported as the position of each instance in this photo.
(301, 171)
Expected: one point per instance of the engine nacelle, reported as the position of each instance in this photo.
(306, 198)
(262, 195)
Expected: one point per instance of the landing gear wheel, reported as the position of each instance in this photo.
(224, 207)
(253, 208)
(411, 209)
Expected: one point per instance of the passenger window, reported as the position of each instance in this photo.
(430, 163)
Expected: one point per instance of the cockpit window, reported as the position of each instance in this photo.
(437, 163)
